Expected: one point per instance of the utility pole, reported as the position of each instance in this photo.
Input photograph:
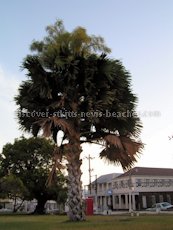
(96, 202)
(89, 170)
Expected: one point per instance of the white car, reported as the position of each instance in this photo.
(163, 206)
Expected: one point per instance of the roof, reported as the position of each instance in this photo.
(144, 171)
(106, 178)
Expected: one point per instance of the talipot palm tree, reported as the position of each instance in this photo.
(74, 87)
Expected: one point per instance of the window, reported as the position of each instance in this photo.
(144, 183)
(160, 183)
(126, 184)
(171, 182)
(155, 182)
(122, 184)
(147, 182)
(167, 183)
(115, 185)
(129, 182)
(138, 182)
(151, 183)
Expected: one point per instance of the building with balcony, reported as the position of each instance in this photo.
(136, 189)
(140, 188)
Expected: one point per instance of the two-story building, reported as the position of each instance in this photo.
(101, 191)
(141, 187)
(136, 189)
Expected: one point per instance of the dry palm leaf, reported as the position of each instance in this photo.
(121, 150)
(65, 126)
(48, 124)
(57, 165)
(114, 140)
(131, 146)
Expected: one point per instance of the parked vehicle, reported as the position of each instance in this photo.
(163, 206)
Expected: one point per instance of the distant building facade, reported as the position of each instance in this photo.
(102, 191)
(137, 189)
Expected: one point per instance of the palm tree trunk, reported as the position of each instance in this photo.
(75, 201)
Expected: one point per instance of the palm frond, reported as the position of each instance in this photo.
(131, 146)
(48, 125)
(65, 125)
(114, 140)
(121, 150)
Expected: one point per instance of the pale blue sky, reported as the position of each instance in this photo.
(139, 32)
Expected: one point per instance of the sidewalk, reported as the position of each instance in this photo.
(133, 213)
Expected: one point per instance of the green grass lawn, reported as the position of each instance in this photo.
(22, 222)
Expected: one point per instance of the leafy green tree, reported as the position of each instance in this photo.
(13, 188)
(31, 160)
(74, 87)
